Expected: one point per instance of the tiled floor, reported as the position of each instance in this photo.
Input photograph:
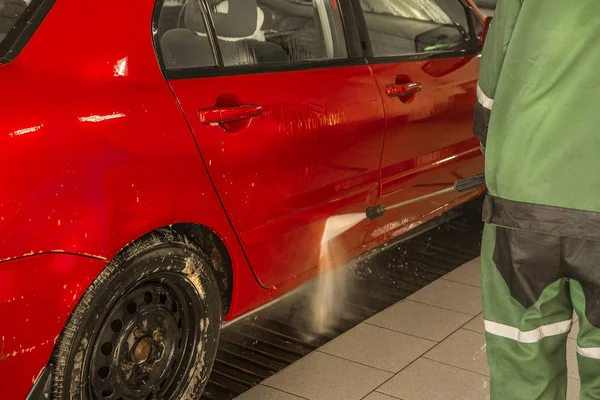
(430, 346)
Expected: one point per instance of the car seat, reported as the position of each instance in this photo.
(237, 25)
(298, 30)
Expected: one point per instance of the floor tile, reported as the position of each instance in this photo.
(378, 347)
(574, 330)
(573, 370)
(261, 392)
(573, 387)
(420, 320)
(464, 349)
(430, 380)
(380, 396)
(322, 376)
(469, 273)
(476, 324)
(450, 295)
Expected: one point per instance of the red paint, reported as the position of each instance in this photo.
(37, 294)
(92, 160)
(312, 144)
(427, 137)
(95, 152)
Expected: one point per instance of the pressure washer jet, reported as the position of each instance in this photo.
(461, 185)
(331, 287)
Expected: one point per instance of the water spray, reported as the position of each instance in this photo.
(327, 303)
(461, 185)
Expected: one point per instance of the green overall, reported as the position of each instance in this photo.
(538, 118)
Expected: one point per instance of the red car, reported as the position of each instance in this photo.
(166, 165)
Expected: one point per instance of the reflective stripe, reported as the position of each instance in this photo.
(589, 352)
(483, 99)
(532, 336)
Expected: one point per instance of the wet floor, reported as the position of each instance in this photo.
(430, 346)
(283, 338)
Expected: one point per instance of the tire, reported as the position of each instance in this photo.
(147, 328)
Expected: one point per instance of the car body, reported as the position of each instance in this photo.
(104, 139)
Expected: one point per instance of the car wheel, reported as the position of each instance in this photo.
(147, 328)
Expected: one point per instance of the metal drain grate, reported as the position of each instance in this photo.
(261, 345)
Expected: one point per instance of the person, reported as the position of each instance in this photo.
(538, 118)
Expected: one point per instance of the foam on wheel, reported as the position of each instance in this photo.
(147, 328)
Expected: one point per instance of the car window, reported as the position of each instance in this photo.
(250, 32)
(401, 27)
(18, 21)
(183, 47)
(10, 12)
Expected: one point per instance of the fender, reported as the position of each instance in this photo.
(37, 294)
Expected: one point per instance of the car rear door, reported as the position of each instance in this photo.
(423, 54)
(287, 118)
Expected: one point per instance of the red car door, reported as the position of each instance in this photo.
(424, 60)
(290, 128)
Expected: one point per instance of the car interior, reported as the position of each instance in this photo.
(249, 32)
(395, 30)
(9, 10)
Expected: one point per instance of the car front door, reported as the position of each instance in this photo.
(423, 54)
(289, 123)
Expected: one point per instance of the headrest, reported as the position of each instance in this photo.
(232, 18)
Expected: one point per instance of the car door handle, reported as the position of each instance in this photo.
(403, 89)
(216, 115)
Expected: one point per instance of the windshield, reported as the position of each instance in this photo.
(10, 12)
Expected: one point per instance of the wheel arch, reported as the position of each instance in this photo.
(211, 244)
(218, 257)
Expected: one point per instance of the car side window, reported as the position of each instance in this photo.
(10, 12)
(18, 21)
(180, 46)
(249, 32)
(403, 27)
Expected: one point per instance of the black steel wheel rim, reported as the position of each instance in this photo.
(146, 345)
